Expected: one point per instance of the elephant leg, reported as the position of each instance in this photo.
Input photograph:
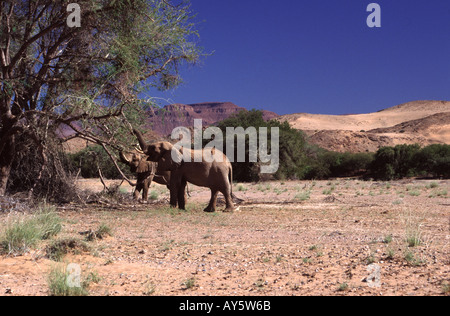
(146, 186)
(182, 195)
(173, 198)
(228, 199)
(211, 208)
(137, 191)
(173, 194)
(145, 193)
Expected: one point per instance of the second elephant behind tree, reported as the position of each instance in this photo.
(146, 172)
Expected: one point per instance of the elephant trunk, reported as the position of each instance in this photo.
(141, 140)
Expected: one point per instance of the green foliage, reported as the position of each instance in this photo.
(387, 163)
(435, 160)
(89, 80)
(90, 159)
(58, 284)
(300, 160)
(398, 161)
(326, 164)
(24, 232)
(410, 160)
(292, 152)
(292, 142)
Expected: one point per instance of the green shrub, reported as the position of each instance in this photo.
(24, 232)
(291, 147)
(395, 162)
(303, 196)
(410, 160)
(322, 164)
(154, 195)
(434, 160)
(58, 285)
(88, 160)
(301, 160)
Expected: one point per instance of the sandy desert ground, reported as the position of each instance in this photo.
(339, 237)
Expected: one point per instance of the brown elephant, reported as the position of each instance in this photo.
(216, 175)
(146, 172)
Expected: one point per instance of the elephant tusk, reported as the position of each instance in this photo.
(124, 158)
(139, 150)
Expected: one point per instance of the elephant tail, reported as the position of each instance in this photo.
(230, 179)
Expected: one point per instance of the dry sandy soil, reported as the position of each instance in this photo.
(288, 238)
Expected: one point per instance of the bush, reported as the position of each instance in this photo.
(350, 164)
(395, 162)
(410, 160)
(23, 233)
(292, 144)
(300, 160)
(44, 177)
(327, 164)
(58, 283)
(88, 160)
(434, 160)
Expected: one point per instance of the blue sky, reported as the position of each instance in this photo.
(318, 56)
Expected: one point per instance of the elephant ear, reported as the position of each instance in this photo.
(170, 159)
(144, 166)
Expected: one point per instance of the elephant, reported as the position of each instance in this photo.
(216, 175)
(146, 172)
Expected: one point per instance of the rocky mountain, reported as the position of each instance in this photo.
(164, 120)
(161, 122)
(421, 122)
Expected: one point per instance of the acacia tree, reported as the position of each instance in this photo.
(85, 78)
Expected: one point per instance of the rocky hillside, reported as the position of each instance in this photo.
(422, 122)
(163, 121)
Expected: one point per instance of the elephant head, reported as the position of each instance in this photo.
(136, 163)
(164, 153)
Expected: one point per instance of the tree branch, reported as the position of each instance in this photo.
(133, 184)
(33, 39)
(158, 70)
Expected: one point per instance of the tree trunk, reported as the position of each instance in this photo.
(6, 160)
(7, 138)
